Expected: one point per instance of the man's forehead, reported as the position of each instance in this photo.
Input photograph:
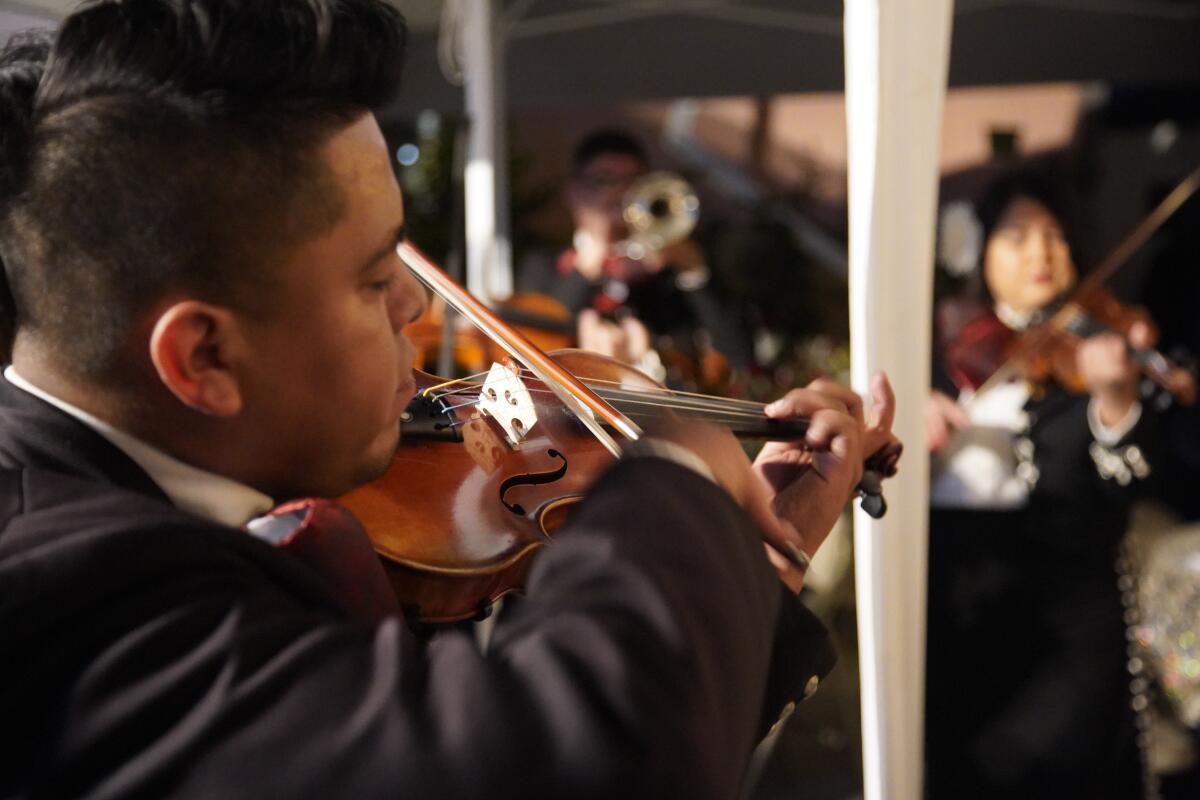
(357, 144)
(371, 208)
(357, 155)
(615, 164)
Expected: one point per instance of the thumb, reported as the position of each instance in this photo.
(779, 533)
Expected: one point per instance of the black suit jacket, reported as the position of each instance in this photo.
(146, 652)
(1026, 602)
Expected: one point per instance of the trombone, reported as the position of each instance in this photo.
(661, 208)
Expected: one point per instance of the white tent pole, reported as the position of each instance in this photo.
(489, 271)
(896, 64)
(500, 277)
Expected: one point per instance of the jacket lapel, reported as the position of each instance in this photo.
(35, 434)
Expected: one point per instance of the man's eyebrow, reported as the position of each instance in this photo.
(397, 237)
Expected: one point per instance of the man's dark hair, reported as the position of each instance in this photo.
(609, 141)
(172, 145)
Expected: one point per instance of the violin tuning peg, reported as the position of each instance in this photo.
(870, 493)
(873, 504)
(871, 482)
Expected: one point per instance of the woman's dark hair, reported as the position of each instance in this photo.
(173, 145)
(608, 141)
(1001, 193)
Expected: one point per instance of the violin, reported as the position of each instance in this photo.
(488, 469)
(988, 353)
(985, 351)
(1050, 350)
(540, 318)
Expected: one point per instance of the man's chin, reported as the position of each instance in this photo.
(379, 460)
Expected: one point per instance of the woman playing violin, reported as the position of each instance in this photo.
(1028, 692)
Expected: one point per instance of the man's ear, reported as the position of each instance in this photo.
(195, 348)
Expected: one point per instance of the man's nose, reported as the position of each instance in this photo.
(408, 301)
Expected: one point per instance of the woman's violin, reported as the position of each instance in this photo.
(1050, 351)
(488, 469)
(988, 353)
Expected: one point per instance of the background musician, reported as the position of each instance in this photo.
(629, 306)
(199, 222)
(1028, 693)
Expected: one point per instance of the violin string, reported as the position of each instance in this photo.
(467, 383)
(728, 420)
(466, 380)
(673, 392)
(678, 403)
(465, 389)
(707, 412)
(650, 399)
(525, 373)
(678, 399)
(699, 411)
(656, 404)
(640, 415)
(685, 399)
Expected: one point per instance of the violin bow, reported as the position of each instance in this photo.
(590, 408)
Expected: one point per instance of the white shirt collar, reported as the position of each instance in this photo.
(194, 490)
(1012, 318)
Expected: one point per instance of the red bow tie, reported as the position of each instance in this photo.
(332, 541)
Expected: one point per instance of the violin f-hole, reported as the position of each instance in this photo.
(532, 479)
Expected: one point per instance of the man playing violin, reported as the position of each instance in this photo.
(199, 223)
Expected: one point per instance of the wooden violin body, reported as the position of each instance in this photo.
(1050, 351)
(461, 508)
(981, 351)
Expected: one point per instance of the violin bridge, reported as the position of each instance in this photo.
(505, 399)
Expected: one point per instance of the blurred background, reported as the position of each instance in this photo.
(745, 101)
